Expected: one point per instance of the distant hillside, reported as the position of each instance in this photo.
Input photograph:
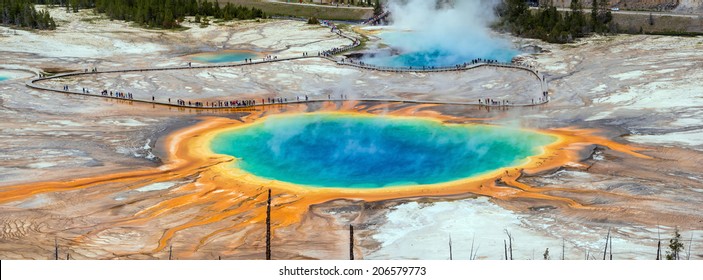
(649, 5)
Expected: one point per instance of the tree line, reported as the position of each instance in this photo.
(149, 13)
(22, 13)
(162, 13)
(548, 24)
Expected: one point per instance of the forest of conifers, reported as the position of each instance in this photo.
(148, 13)
(23, 14)
(548, 24)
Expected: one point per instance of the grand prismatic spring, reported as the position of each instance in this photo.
(126, 142)
(348, 151)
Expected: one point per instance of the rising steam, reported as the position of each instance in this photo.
(442, 33)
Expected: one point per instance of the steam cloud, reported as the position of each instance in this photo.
(443, 33)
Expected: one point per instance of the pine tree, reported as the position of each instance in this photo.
(594, 15)
(377, 9)
(675, 246)
(577, 20)
(169, 20)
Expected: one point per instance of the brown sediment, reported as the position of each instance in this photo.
(57, 70)
(228, 200)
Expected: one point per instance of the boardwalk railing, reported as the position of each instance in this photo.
(375, 20)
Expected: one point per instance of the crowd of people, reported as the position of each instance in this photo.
(118, 94)
(492, 102)
(376, 19)
(544, 98)
(335, 29)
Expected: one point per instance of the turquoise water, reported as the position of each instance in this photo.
(351, 151)
(2, 78)
(418, 49)
(220, 57)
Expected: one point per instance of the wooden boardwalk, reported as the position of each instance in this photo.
(328, 55)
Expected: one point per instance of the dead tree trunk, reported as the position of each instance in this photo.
(605, 251)
(476, 252)
(471, 255)
(659, 243)
(505, 244)
(450, 247)
(659, 249)
(690, 242)
(170, 252)
(611, 248)
(268, 227)
(510, 247)
(56, 249)
(351, 242)
(510, 243)
(563, 248)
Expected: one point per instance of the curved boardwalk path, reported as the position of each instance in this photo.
(329, 55)
(377, 19)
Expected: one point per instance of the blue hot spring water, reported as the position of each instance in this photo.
(225, 56)
(436, 54)
(359, 151)
(2, 78)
